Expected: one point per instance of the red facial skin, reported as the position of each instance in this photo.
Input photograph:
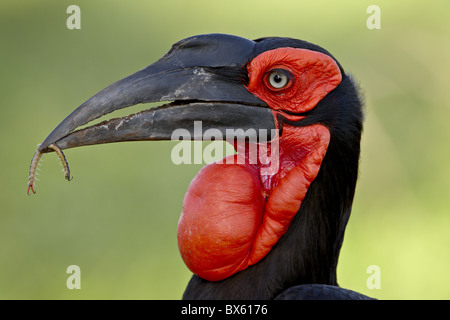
(233, 214)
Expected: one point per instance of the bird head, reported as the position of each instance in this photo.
(305, 114)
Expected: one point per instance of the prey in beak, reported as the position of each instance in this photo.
(203, 78)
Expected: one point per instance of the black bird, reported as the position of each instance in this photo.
(268, 222)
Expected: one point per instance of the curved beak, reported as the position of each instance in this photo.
(203, 77)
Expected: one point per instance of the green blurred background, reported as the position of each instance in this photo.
(117, 219)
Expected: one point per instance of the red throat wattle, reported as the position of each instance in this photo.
(233, 212)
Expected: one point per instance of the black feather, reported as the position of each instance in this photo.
(320, 292)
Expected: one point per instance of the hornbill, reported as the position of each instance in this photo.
(247, 232)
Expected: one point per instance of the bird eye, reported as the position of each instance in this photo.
(278, 79)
